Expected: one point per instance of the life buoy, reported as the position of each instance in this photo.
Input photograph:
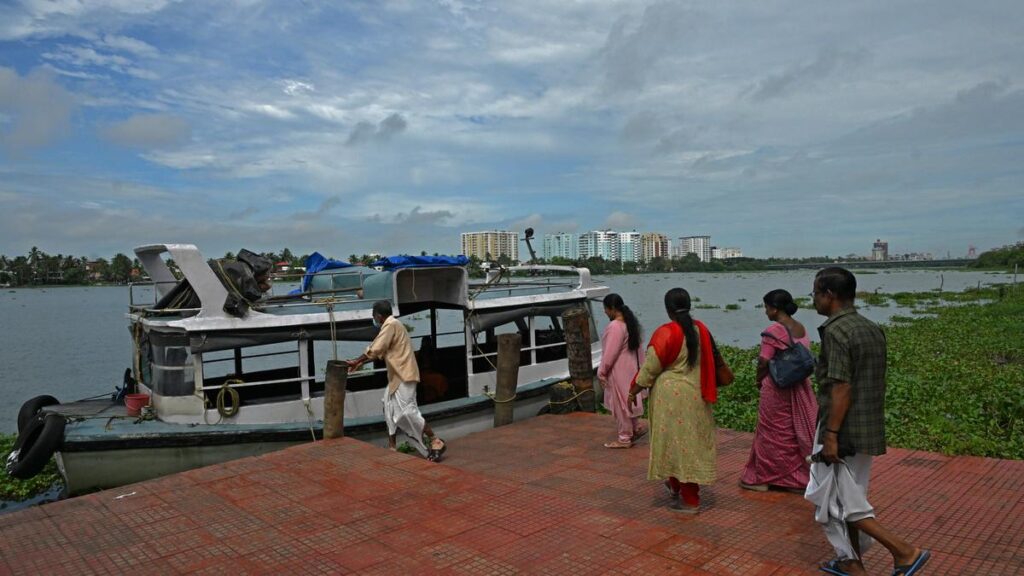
(32, 407)
(35, 445)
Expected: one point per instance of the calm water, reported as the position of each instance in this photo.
(74, 342)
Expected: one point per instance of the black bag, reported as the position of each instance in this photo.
(792, 365)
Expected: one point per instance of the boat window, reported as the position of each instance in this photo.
(264, 373)
(550, 338)
(172, 372)
(546, 324)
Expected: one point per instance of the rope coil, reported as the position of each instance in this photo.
(226, 390)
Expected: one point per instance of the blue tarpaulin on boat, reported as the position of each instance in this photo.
(396, 262)
(316, 262)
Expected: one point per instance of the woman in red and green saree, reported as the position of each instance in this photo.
(680, 372)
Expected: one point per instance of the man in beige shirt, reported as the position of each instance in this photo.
(393, 345)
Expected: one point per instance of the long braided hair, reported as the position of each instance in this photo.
(614, 302)
(677, 305)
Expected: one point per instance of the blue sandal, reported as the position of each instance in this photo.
(911, 569)
(833, 567)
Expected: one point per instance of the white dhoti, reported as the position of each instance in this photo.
(840, 494)
(401, 411)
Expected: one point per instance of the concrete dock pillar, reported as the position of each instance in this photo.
(334, 399)
(509, 347)
(577, 347)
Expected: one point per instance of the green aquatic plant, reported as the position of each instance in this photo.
(953, 384)
(17, 490)
(873, 298)
(732, 306)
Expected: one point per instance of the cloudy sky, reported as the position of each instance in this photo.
(783, 128)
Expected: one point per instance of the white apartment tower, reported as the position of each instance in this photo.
(603, 243)
(699, 245)
(630, 247)
(491, 245)
(561, 245)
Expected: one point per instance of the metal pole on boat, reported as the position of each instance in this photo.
(509, 347)
(577, 347)
(334, 398)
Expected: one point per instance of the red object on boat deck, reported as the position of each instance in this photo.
(135, 402)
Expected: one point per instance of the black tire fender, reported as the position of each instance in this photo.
(31, 407)
(35, 445)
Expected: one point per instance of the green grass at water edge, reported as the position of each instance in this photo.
(955, 378)
(17, 490)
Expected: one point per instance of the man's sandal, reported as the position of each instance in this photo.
(913, 567)
(834, 567)
(434, 454)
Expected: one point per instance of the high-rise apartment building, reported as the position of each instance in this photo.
(699, 245)
(561, 245)
(630, 247)
(653, 245)
(491, 245)
(603, 243)
(732, 253)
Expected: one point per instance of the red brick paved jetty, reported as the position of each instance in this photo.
(538, 497)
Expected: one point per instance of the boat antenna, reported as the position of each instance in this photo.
(529, 236)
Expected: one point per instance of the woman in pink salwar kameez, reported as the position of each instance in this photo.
(785, 418)
(621, 358)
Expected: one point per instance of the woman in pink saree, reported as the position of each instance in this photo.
(785, 418)
(621, 358)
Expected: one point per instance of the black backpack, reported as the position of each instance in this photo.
(792, 365)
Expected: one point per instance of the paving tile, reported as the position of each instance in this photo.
(565, 505)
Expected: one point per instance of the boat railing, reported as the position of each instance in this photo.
(235, 380)
(523, 349)
(259, 383)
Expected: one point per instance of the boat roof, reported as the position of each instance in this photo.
(345, 295)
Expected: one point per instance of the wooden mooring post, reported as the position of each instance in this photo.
(577, 348)
(334, 399)
(509, 347)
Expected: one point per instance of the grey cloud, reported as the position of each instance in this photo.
(244, 214)
(38, 109)
(986, 111)
(630, 54)
(667, 133)
(620, 221)
(827, 62)
(642, 127)
(149, 131)
(365, 132)
(418, 217)
(307, 218)
(329, 204)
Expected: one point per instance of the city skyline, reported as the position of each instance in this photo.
(789, 129)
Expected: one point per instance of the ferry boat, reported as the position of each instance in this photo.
(222, 385)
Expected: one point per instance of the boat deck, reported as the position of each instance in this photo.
(540, 497)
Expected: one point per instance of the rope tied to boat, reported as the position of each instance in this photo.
(309, 413)
(578, 394)
(329, 304)
(496, 401)
(226, 390)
